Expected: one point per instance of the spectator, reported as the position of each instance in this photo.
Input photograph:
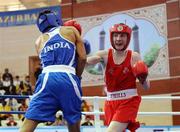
(38, 71)
(2, 91)
(17, 83)
(26, 87)
(87, 122)
(6, 85)
(22, 107)
(59, 121)
(13, 103)
(12, 90)
(4, 107)
(11, 121)
(7, 74)
(85, 106)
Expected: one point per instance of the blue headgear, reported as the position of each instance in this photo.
(47, 20)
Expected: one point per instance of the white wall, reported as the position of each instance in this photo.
(16, 45)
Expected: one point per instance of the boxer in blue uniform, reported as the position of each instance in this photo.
(63, 58)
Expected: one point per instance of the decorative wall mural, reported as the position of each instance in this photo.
(149, 38)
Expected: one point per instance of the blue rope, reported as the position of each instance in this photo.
(14, 96)
(12, 112)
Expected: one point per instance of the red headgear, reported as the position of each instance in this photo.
(120, 28)
(75, 24)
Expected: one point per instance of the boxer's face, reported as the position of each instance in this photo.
(119, 40)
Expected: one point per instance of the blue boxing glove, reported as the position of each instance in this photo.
(87, 46)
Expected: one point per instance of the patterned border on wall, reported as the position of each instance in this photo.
(154, 14)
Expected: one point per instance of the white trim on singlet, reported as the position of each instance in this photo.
(53, 32)
(75, 86)
(59, 68)
(43, 86)
(72, 59)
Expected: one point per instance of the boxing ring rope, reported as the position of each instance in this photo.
(96, 106)
(95, 97)
(102, 113)
(96, 111)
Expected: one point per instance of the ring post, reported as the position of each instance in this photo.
(97, 115)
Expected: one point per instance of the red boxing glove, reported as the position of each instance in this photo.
(74, 24)
(140, 70)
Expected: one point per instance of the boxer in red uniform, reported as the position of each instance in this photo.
(123, 66)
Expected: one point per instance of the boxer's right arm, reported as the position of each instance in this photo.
(98, 57)
(37, 44)
(93, 59)
(81, 52)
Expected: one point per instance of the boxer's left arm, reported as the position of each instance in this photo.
(76, 25)
(140, 70)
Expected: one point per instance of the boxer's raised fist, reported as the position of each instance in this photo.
(140, 70)
(75, 24)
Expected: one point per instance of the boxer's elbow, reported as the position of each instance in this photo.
(82, 59)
